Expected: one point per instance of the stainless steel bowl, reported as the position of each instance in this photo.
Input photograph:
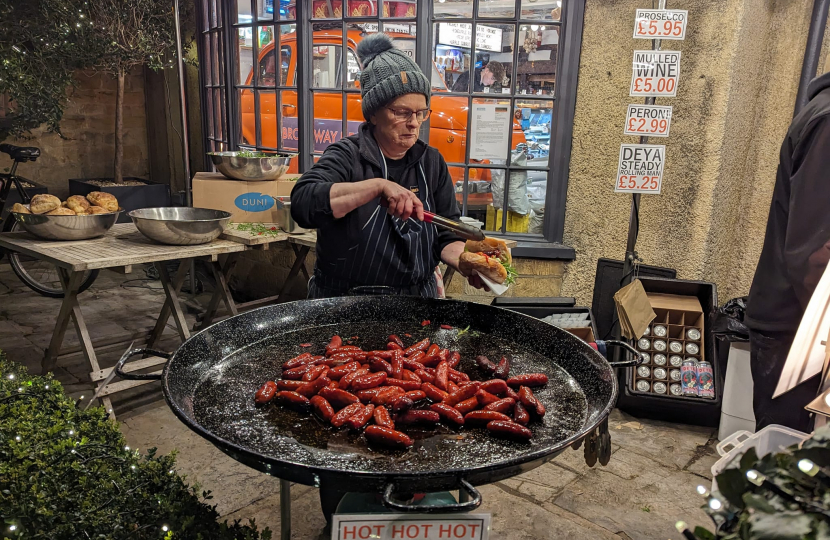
(180, 226)
(67, 227)
(251, 169)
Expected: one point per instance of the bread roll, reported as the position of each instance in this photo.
(97, 210)
(488, 267)
(493, 247)
(60, 211)
(43, 202)
(104, 200)
(20, 209)
(77, 204)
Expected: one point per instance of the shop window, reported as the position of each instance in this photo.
(502, 101)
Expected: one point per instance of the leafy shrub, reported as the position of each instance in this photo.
(787, 505)
(68, 474)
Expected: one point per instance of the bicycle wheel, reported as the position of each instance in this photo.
(41, 276)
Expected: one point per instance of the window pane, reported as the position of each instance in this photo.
(288, 45)
(480, 196)
(497, 8)
(547, 10)
(538, 53)
(245, 56)
(517, 202)
(328, 114)
(531, 132)
(215, 20)
(361, 8)
(265, 10)
(267, 57)
(326, 9)
(247, 119)
(451, 56)
(453, 62)
(209, 112)
(457, 176)
(400, 8)
(448, 127)
(242, 11)
(206, 59)
(537, 186)
(458, 8)
(289, 130)
(326, 66)
(219, 114)
(268, 118)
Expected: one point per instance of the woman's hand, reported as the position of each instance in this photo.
(450, 255)
(400, 202)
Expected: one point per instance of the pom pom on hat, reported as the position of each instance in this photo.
(371, 46)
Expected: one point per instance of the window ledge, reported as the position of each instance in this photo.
(543, 250)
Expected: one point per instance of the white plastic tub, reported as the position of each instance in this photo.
(770, 439)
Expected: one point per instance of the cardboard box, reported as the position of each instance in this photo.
(249, 202)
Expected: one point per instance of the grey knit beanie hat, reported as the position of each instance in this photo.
(387, 74)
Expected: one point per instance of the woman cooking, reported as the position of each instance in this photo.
(360, 243)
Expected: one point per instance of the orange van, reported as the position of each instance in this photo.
(448, 122)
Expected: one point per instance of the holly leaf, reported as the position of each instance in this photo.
(780, 526)
(757, 502)
(703, 534)
(732, 485)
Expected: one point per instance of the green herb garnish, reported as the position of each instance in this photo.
(258, 229)
(461, 332)
(511, 273)
(250, 154)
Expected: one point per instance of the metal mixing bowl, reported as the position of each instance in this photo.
(67, 227)
(180, 226)
(252, 169)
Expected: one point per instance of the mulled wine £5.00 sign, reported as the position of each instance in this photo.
(655, 73)
(640, 168)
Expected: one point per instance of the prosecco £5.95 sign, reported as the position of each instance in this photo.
(661, 24)
(640, 168)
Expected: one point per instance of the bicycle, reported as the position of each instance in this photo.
(40, 276)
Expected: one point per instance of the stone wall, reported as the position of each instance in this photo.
(88, 127)
(738, 79)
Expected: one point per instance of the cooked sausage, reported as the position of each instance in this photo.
(345, 413)
(339, 372)
(406, 385)
(410, 376)
(382, 417)
(396, 340)
(378, 364)
(511, 393)
(392, 346)
(433, 393)
(412, 365)
(528, 379)
(441, 374)
(420, 346)
(417, 356)
(416, 395)
(425, 375)
(315, 372)
(298, 361)
(503, 405)
(366, 396)
(386, 355)
(400, 404)
(387, 395)
(503, 369)
(420, 417)
(520, 414)
(322, 407)
(496, 387)
(451, 387)
(361, 417)
(337, 397)
(384, 436)
(369, 381)
(466, 406)
(509, 430)
(295, 374)
(461, 394)
(454, 359)
(448, 413)
(265, 393)
(335, 342)
(293, 400)
(485, 364)
(313, 387)
(456, 376)
(480, 418)
(397, 366)
(346, 380)
(289, 385)
(530, 401)
(485, 398)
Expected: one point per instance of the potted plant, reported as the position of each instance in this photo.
(129, 34)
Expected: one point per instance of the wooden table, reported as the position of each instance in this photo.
(301, 244)
(122, 247)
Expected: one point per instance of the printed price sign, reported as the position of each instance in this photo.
(661, 24)
(411, 526)
(655, 73)
(640, 169)
(649, 120)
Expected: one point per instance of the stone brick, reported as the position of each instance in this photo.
(539, 267)
(537, 286)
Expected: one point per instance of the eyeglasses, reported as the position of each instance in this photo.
(403, 115)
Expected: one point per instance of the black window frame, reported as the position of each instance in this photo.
(548, 245)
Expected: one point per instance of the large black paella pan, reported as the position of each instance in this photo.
(210, 381)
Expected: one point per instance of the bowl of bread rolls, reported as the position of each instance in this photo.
(76, 218)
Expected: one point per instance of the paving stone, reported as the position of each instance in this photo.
(635, 495)
(307, 519)
(10, 328)
(666, 443)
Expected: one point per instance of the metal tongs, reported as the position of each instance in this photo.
(468, 232)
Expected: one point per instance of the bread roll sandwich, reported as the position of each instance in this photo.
(490, 258)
